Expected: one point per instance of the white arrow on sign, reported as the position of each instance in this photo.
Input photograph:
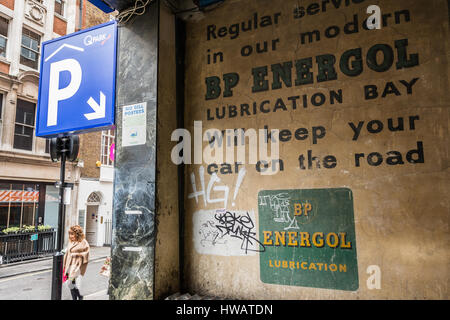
(99, 109)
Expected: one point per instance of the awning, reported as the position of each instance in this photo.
(18, 196)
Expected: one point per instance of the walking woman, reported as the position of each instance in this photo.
(76, 260)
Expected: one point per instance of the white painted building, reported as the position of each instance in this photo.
(95, 196)
(95, 210)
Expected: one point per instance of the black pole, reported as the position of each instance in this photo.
(57, 273)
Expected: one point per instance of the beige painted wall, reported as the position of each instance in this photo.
(400, 211)
(167, 236)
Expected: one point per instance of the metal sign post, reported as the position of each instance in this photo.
(57, 273)
(64, 148)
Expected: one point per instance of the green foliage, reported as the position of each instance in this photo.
(11, 230)
(25, 229)
(44, 228)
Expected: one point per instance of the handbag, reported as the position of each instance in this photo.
(64, 275)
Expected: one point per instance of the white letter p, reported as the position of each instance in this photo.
(54, 93)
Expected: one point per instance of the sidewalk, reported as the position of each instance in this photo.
(35, 265)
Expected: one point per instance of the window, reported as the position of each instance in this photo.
(18, 204)
(47, 145)
(107, 141)
(59, 7)
(94, 197)
(24, 126)
(3, 36)
(29, 52)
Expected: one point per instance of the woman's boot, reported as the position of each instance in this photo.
(80, 297)
(74, 294)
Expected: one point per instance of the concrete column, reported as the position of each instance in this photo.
(9, 117)
(168, 244)
(145, 246)
(71, 15)
(15, 37)
(49, 18)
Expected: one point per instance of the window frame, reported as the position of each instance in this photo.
(33, 140)
(111, 138)
(63, 8)
(5, 37)
(47, 146)
(36, 186)
(22, 46)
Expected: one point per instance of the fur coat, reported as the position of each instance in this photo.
(76, 259)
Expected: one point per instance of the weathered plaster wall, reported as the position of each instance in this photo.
(167, 239)
(400, 198)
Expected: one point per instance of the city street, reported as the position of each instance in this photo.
(32, 280)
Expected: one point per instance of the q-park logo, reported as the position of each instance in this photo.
(92, 39)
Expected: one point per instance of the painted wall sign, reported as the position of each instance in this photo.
(309, 238)
(363, 108)
(134, 125)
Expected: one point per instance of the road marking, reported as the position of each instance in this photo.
(24, 275)
(31, 273)
(98, 293)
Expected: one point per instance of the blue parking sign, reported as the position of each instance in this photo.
(77, 82)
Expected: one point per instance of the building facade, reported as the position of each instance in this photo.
(27, 174)
(94, 205)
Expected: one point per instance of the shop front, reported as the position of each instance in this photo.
(24, 234)
(28, 220)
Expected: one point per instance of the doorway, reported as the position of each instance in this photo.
(92, 218)
(91, 224)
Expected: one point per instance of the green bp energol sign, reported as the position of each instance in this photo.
(309, 238)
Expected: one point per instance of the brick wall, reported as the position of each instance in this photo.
(94, 16)
(59, 26)
(8, 3)
(90, 144)
(4, 67)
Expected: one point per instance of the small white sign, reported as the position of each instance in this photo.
(134, 124)
(135, 249)
(133, 212)
(67, 194)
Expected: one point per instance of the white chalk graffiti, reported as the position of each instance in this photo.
(280, 206)
(206, 193)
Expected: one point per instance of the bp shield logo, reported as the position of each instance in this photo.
(309, 238)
